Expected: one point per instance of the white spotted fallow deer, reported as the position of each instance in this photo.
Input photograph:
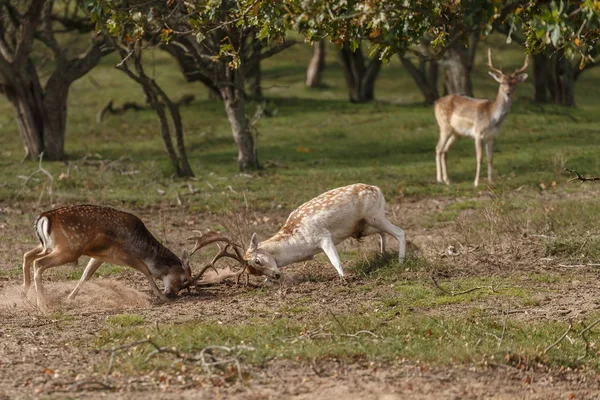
(105, 235)
(318, 226)
(480, 119)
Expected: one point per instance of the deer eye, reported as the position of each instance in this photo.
(185, 280)
(257, 262)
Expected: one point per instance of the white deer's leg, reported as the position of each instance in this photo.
(28, 258)
(438, 157)
(382, 243)
(329, 249)
(489, 151)
(89, 270)
(478, 156)
(444, 158)
(382, 225)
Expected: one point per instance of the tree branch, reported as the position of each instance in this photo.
(580, 177)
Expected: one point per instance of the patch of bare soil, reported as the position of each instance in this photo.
(55, 357)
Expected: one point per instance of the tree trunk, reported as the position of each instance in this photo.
(232, 92)
(426, 79)
(316, 66)
(564, 80)
(541, 80)
(28, 116)
(458, 63)
(360, 79)
(254, 74)
(240, 128)
(55, 117)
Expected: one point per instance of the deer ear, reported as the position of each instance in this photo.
(496, 77)
(253, 242)
(521, 77)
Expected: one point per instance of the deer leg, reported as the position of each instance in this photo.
(449, 142)
(489, 152)
(329, 249)
(54, 259)
(89, 270)
(439, 154)
(478, 156)
(28, 258)
(382, 225)
(382, 243)
(143, 268)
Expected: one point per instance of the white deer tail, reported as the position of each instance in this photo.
(42, 230)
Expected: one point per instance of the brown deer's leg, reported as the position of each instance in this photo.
(89, 270)
(54, 259)
(28, 258)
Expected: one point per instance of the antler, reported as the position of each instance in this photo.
(209, 237)
(524, 67)
(491, 66)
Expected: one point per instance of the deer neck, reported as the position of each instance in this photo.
(500, 107)
(288, 248)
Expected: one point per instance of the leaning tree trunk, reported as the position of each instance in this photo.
(157, 99)
(316, 66)
(425, 78)
(232, 92)
(26, 95)
(360, 78)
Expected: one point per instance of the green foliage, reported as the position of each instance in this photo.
(125, 320)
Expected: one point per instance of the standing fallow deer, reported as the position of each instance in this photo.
(480, 119)
(318, 226)
(105, 235)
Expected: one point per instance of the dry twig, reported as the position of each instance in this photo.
(560, 339)
(453, 293)
(132, 105)
(39, 170)
(201, 357)
(580, 177)
(585, 339)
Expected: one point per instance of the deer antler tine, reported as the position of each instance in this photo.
(524, 67)
(491, 65)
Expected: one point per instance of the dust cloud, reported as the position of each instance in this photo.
(95, 295)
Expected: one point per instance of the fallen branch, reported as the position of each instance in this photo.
(580, 177)
(201, 357)
(585, 339)
(579, 265)
(453, 293)
(560, 339)
(109, 108)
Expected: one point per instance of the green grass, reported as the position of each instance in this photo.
(414, 336)
(125, 320)
(389, 142)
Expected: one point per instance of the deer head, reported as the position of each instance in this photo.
(507, 82)
(178, 277)
(251, 267)
(261, 261)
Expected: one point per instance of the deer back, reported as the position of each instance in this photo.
(98, 231)
(339, 213)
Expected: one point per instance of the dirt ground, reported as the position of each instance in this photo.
(38, 358)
